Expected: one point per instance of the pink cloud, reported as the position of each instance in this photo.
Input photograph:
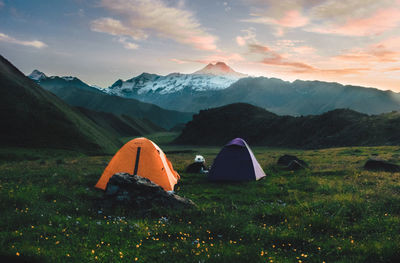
(382, 52)
(290, 19)
(240, 41)
(381, 21)
(304, 50)
(140, 18)
(272, 58)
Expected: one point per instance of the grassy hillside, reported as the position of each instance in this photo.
(121, 125)
(258, 126)
(98, 101)
(34, 117)
(332, 212)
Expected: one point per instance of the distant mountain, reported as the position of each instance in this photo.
(303, 97)
(33, 117)
(217, 85)
(77, 93)
(121, 125)
(37, 75)
(55, 82)
(147, 87)
(341, 127)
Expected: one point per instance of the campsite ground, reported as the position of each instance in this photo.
(333, 212)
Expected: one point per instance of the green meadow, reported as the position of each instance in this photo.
(332, 212)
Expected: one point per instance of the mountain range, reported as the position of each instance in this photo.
(217, 85)
(77, 93)
(341, 127)
(34, 117)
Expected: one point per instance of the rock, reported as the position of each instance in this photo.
(295, 165)
(196, 167)
(141, 193)
(287, 159)
(381, 165)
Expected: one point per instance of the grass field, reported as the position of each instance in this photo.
(332, 212)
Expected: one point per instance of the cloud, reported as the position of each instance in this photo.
(304, 50)
(345, 17)
(385, 51)
(138, 18)
(381, 21)
(271, 58)
(116, 28)
(290, 19)
(249, 36)
(33, 43)
(1, 4)
(338, 11)
(393, 69)
(127, 44)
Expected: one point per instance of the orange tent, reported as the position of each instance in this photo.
(142, 157)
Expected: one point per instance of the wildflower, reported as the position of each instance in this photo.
(17, 254)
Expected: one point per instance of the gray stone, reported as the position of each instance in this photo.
(141, 192)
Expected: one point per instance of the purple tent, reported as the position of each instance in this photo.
(235, 162)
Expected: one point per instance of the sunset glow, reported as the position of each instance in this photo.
(351, 41)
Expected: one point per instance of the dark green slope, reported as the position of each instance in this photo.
(133, 108)
(34, 117)
(335, 128)
(121, 125)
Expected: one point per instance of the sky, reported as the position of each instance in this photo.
(353, 42)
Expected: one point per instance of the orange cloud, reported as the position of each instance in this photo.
(381, 21)
(290, 19)
(382, 52)
(272, 58)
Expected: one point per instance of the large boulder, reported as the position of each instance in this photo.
(381, 165)
(141, 193)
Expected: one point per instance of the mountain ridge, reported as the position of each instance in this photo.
(336, 128)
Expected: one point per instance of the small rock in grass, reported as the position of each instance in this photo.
(295, 165)
(381, 165)
(286, 159)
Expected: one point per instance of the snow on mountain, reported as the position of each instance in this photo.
(212, 77)
(219, 69)
(37, 75)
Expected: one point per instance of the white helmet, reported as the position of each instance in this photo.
(199, 159)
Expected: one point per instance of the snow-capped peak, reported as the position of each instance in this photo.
(37, 75)
(213, 77)
(219, 69)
